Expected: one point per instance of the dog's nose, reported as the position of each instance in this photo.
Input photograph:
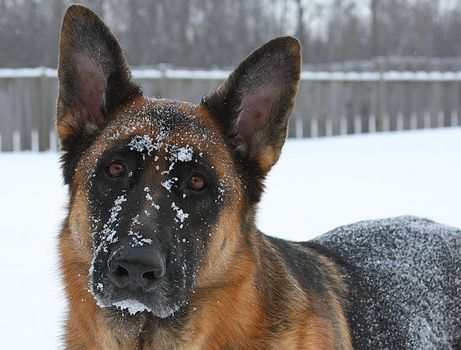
(137, 267)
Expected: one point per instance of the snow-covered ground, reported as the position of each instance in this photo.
(323, 183)
(317, 185)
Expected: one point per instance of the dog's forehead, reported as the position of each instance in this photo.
(155, 124)
(174, 121)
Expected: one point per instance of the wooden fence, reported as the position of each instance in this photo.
(329, 103)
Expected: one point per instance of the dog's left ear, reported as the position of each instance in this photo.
(253, 105)
(94, 80)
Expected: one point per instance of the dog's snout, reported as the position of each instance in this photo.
(137, 267)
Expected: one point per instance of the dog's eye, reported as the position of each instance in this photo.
(115, 169)
(197, 182)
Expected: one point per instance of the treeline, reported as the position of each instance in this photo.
(218, 33)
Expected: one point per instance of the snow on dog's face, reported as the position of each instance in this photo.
(154, 193)
(162, 193)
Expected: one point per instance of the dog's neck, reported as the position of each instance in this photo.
(240, 308)
(226, 313)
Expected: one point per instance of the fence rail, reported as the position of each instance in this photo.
(329, 103)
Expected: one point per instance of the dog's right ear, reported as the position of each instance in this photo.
(253, 106)
(94, 80)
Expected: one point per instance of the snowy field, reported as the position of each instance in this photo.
(316, 186)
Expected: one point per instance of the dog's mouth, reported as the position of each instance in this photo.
(131, 306)
(138, 280)
(133, 301)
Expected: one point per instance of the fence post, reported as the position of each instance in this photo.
(427, 120)
(372, 123)
(328, 127)
(440, 119)
(44, 120)
(381, 98)
(299, 131)
(454, 117)
(386, 122)
(314, 127)
(16, 141)
(400, 123)
(34, 140)
(413, 121)
(357, 124)
(53, 141)
(162, 83)
(343, 125)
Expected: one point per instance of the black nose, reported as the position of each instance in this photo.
(137, 267)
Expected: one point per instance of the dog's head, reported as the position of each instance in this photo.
(163, 193)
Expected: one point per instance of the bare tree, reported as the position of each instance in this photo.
(204, 33)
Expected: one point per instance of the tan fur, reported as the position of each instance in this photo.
(226, 309)
(246, 294)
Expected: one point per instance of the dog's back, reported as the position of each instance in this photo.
(404, 279)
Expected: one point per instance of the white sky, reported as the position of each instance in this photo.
(320, 9)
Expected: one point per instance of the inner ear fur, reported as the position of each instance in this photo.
(253, 105)
(94, 79)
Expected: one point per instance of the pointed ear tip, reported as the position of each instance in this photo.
(287, 42)
(72, 15)
(80, 24)
(288, 46)
(77, 10)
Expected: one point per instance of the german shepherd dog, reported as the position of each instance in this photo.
(160, 250)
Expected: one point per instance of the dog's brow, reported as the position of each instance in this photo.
(166, 117)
